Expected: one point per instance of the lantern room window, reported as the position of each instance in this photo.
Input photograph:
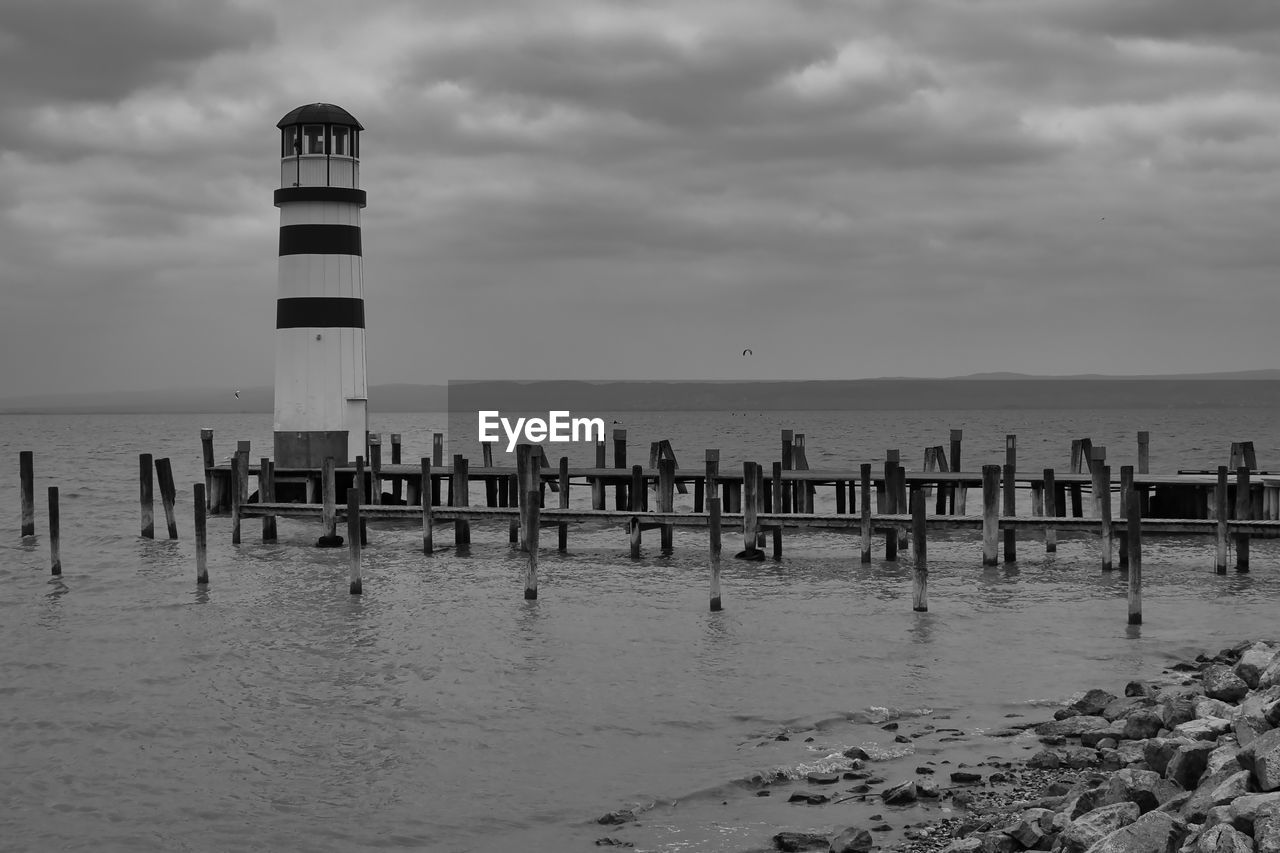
(339, 146)
(313, 139)
(289, 142)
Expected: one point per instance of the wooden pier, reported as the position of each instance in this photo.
(1229, 504)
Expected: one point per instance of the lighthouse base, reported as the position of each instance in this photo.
(308, 449)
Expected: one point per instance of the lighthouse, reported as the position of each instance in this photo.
(321, 395)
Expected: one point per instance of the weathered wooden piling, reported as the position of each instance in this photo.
(637, 496)
(944, 491)
(1144, 452)
(959, 491)
(778, 501)
(1134, 547)
(1097, 458)
(1102, 491)
(1220, 495)
(620, 461)
(533, 524)
(990, 513)
(428, 534)
(1122, 539)
(1050, 511)
(1244, 510)
(206, 452)
(490, 483)
(864, 483)
(26, 473)
(437, 453)
(164, 477)
(597, 483)
(713, 510)
(397, 483)
(329, 513)
(1009, 494)
(920, 576)
(236, 463)
(146, 497)
(461, 497)
(358, 485)
(666, 499)
(750, 507)
(375, 468)
(353, 537)
(890, 504)
(562, 531)
(202, 534)
(1078, 463)
(55, 533)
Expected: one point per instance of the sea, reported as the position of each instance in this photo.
(441, 711)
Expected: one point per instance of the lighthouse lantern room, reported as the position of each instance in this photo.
(321, 395)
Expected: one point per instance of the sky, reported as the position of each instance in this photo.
(642, 190)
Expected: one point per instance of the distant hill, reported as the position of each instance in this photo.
(1259, 388)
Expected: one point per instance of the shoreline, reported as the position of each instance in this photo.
(1162, 746)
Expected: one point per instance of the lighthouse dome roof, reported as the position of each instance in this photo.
(319, 114)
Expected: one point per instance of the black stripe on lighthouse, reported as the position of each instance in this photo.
(320, 312)
(320, 240)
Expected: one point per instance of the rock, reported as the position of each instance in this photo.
(1266, 830)
(1155, 832)
(1262, 757)
(857, 753)
(1235, 785)
(1205, 728)
(1178, 710)
(1114, 731)
(1253, 662)
(1246, 811)
(1121, 708)
(823, 778)
(1137, 688)
(1079, 757)
(613, 842)
(1221, 682)
(1045, 759)
(1258, 712)
(1202, 799)
(966, 776)
(969, 844)
(1223, 838)
(1142, 723)
(1093, 702)
(998, 842)
(855, 839)
(790, 842)
(927, 788)
(808, 798)
(1206, 707)
(1085, 831)
(1188, 764)
(1224, 755)
(1072, 726)
(614, 818)
(900, 794)
(1270, 676)
(1133, 786)
(1158, 751)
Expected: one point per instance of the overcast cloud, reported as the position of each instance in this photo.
(640, 190)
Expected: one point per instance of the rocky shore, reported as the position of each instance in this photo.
(1187, 763)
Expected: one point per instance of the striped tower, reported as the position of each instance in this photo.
(321, 393)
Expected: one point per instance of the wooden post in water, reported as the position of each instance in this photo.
(1126, 486)
(490, 482)
(237, 462)
(750, 507)
(638, 489)
(1077, 467)
(667, 499)
(375, 468)
(1097, 458)
(437, 455)
(164, 476)
(1244, 509)
(1102, 488)
(329, 513)
(461, 498)
(776, 533)
(266, 494)
(353, 537)
(358, 486)
(944, 491)
(515, 533)
(713, 509)
(597, 483)
(26, 471)
(958, 492)
(990, 513)
(902, 504)
(1010, 495)
(890, 505)
(1050, 511)
(202, 535)
(620, 461)
(533, 524)
(562, 531)
(1220, 565)
(919, 577)
(145, 497)
(206, 452)
(1144, 452)
(55, 533)
(428, 533)
(397, 483)
(864, 483)
(1134, 546)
